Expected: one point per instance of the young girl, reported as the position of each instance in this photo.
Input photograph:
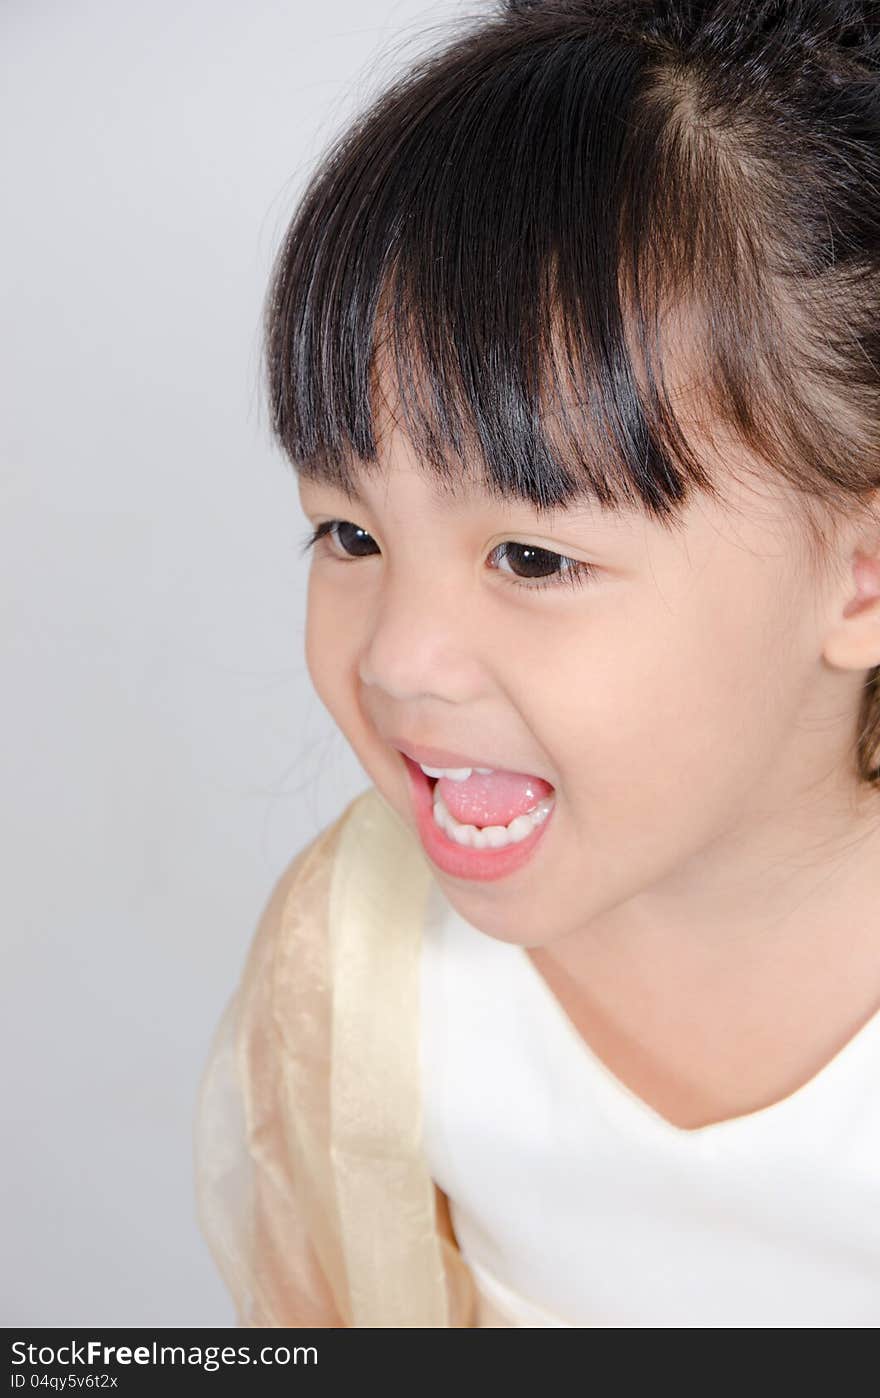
(572, 1018)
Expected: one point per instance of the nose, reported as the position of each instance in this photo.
(422, 641)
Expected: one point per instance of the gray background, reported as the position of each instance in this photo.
(162, 752)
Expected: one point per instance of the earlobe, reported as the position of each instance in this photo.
(854, 643)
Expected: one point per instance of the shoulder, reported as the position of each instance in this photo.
(366, 856)
(305, 873)
(286, 966)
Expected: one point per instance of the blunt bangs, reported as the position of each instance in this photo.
(493, 250)
(472, 238)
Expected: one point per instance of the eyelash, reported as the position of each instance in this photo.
(575, 576)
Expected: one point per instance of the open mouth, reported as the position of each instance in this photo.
(475, 850)
(480, 818)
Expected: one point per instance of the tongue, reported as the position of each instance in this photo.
(495, 798)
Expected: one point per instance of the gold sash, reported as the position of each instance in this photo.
(312, 1190)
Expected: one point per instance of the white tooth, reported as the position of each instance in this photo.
(496, 836)
(456, 774)
(491, 836)
(484, 771)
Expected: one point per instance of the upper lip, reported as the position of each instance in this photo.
(443, 757)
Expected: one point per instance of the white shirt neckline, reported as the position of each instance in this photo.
(625, 1104)
(578, 1204)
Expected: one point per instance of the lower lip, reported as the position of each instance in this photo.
(459, 860)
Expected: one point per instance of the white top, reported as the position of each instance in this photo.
(576, 1204)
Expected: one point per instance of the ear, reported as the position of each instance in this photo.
(853, 640)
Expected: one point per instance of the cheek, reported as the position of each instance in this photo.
(645, 709)
(330, 646)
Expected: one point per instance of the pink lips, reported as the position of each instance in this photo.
(438, 757)
(461, 862)
(443, 757)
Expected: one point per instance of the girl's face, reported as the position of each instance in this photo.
(676, 699)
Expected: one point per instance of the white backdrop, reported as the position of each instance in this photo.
(163, 753)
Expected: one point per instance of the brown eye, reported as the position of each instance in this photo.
(541, 567)
(533, 567)
(353, 540)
